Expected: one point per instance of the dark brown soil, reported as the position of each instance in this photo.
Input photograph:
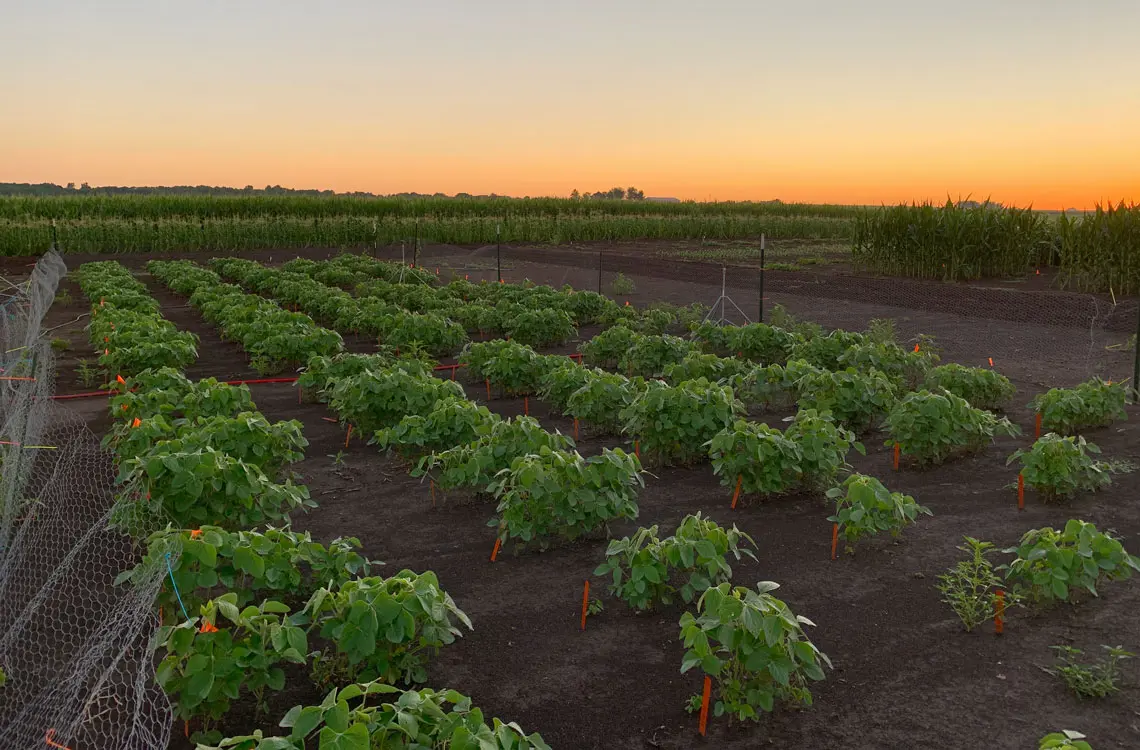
(905, 676)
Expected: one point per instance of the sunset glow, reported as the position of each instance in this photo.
(827, 101)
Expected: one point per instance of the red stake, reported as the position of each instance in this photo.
(897, 451)
(1021, 492)
(834, 539)
(585, 602)
(1038, 425)
(736, 494)
(49, 739)
(348, 436)
(526, 405)
(637, 449)
(705, 705)
(999, 613)
(575, 428)
(495, 551)
(991, 361)
(488, 381)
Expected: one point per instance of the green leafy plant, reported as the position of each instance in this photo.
(425, 718)
(649, 356)
(476, 464)
(773, 386)
(676, 423)
(864, 507)
(518, 370)
(561, 382)
(378, 398)
(1066, 739)
(982, 387)
(599, 402)
(906, 369)
(60, 345)
(210, 560)
(857, 400)
(432, 333)
(823, 447)
(205, 668)
(882, 331)
(559, 493)
(608, 347)
(88, 373)
(931, 427)
(1094, 403)
(453, 421)
(708, 366)
(643, 567)
(825, 352)
(970, 587)
(621, 285)
(1054, 565)
(382, 628)
(546, 327)
(1097, 679)
(203, 486)
(1059, 467)
(754, 648)
(762, 459)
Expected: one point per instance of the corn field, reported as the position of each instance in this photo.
(1100, 251)
(952, 242)
(158, 207)
(93, 234)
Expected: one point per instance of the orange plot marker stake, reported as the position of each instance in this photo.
(119, 379)
(495, 551)
(488, 382)
(1021, 492)
(49, 738)
(999, 612)
(348, 436)
(916, 348)
(736, 494)
(637, 449)
(898, 449)
(585, 602)
(526, 405)
(834, 539)
(705, 705)
(1037, 425)
(991, 361)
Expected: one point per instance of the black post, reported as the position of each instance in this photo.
(499, 251)
(416, 244)
(761, 303)
(1136, 363)
(599, 272)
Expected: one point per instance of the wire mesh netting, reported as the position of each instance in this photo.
(74, 647)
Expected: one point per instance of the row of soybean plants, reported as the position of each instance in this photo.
(360, 635)
(931, 413)
(407, 309)
(1094, 251)
(234, 234)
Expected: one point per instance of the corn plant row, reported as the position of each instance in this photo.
(369, 628)
(96, 235)
(126, 328)
(100, 204)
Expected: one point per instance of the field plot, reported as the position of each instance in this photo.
(903, 672)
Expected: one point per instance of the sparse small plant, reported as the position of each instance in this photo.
(338, 458)
(88, 373)
(970, 587)
(60, 345)
(595, 607)
(1093, 680)
(621, 285)
(882, 331)
(63, 298)
(1066, 739)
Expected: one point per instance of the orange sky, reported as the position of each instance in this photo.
(824, 102)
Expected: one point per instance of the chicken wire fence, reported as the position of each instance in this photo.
(75, 648)
(1040, 336)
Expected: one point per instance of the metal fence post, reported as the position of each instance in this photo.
(761, 302)
(499, 251)
(1136, 362)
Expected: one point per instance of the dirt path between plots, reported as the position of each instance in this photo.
(905, 675)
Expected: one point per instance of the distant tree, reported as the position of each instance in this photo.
(71, 186)
(574, 194)
(633, 194)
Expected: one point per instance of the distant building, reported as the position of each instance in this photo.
(663, 200)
